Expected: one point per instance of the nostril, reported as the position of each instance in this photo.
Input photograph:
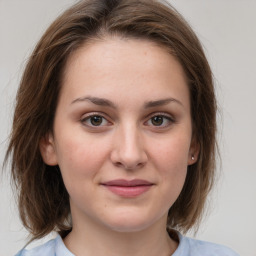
(128, 156)
(118, 164)
(129, 167)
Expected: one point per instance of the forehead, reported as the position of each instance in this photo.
(114, 64)
(116, 50)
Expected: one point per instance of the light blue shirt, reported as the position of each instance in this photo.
(187, 247)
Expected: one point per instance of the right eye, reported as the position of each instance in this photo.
(94, 121)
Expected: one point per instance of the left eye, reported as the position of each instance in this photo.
(95, 120)
(159, 121)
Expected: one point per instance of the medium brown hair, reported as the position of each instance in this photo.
(42, 197)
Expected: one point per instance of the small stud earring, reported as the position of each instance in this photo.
(193, 158)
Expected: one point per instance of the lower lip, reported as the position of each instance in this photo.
(129, 191)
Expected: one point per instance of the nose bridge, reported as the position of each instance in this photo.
(129, 149)
(130, 140)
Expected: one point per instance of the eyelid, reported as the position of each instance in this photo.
(170, 118)
(87, 116)
(164, 114)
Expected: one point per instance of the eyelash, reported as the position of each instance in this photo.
(89, 118)
(165, 117)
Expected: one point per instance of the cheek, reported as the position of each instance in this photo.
(170, 158)
(172, 151)
(80, 158)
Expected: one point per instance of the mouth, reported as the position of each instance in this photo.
(128, 188)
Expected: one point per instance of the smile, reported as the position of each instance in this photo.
(126, 188)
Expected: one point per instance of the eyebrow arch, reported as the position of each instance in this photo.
(161, 102)
(108, 103)
(96, 101)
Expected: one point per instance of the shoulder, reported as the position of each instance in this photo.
(191, 247)
(54, 247)
(45, 249)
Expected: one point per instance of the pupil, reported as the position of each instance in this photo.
(157, 120)
(96, 120)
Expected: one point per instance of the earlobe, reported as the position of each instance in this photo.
(47, 149)
(193, 152)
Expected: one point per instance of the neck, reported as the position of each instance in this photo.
(94, 239)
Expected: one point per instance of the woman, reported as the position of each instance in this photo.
(113, 142)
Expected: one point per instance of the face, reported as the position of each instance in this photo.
(122, 134)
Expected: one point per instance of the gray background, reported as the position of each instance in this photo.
(227, 31)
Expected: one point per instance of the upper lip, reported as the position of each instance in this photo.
(127, 183)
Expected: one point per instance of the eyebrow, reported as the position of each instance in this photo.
(96, 101)
(161, 102)
(108, 103)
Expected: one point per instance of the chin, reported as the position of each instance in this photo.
(130, 223)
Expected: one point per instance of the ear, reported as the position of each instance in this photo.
(47, 149)
(193, 151)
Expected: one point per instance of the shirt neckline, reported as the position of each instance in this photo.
(61, 248)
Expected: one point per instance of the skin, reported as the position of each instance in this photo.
(138, 80)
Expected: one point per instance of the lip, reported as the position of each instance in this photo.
(128, 188)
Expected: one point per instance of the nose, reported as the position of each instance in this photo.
(128, 150)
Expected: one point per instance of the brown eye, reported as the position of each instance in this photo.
(96, 120)
(157, 120)
(160, 120)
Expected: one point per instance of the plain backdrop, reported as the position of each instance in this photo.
(228, 34)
